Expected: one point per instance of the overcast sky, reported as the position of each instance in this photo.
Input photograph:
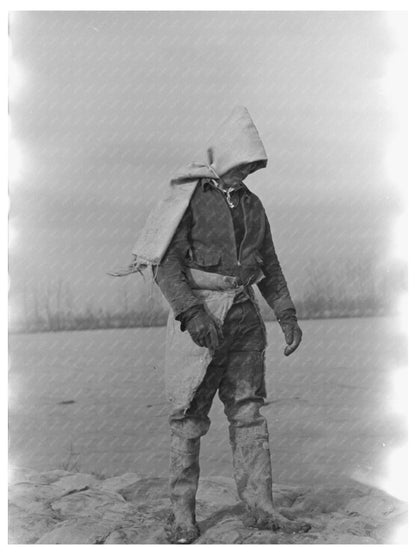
(111, 103)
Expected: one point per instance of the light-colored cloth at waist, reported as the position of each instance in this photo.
(198, 280)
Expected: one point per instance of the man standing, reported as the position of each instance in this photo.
(216, 337)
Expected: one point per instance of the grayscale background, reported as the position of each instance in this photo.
(110, 104)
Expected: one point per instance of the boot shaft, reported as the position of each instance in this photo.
(184, 477)
(252, 464)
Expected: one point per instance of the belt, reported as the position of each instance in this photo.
(199, 279)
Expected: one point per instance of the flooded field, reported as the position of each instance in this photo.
(94, 401)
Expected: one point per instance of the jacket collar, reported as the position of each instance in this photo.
(208, 184)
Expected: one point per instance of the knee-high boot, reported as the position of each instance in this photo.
(253, 477)
(183, 485)
(252, 464)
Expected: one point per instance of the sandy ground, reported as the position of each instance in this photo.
(59, 507)
(94, 402)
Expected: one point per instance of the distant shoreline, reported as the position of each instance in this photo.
(161, 325)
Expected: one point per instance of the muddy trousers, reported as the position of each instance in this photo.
(237, 373)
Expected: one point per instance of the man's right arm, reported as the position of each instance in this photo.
(170, 275)
(187, 308)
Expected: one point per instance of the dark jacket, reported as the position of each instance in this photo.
(206, 239)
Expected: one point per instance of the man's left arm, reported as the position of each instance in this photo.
(275, 290)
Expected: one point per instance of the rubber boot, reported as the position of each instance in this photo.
(253, 477)
(183, 484)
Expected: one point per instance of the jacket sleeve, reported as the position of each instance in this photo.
(170, 275)
(273, 286)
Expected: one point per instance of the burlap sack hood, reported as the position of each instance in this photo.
(235, 142)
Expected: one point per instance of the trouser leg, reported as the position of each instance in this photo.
(242, 392)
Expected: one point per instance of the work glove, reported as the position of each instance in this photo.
(291, 330)
(203, 329)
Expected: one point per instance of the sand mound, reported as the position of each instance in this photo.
(59, 507)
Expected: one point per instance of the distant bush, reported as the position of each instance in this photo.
(53, 310)
(99, 319)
